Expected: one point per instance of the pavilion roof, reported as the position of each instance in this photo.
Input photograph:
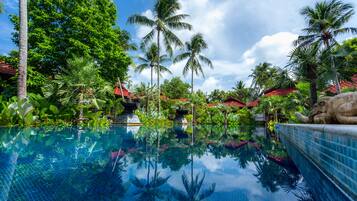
(344, 85)
(182, 100)
(253, 103)
(232, 102)
(279, 92)
(7, 69)
(229, 102)
(126, 93)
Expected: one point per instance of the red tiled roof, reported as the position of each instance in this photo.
(212, 104)
(231, 102)
(126, 93)
(253, 103)
(344, 85)
(183, 100)
(279, 92)
(6, 69)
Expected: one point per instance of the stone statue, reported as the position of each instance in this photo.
(341, 109)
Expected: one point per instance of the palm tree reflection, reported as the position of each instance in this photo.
(149, 189)
(193, 187)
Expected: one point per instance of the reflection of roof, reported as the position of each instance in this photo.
(344, 85)
(126, 93)
(253, 103)
(6, 69)
(279, 92)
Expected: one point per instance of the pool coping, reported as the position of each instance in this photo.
(350, 130)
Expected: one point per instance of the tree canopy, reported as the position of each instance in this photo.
(175, 88)
(61, 30)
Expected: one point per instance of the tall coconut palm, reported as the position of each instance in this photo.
(194, 58)
(149, 61)
(21, 90)
(304, 62)
(326, 21)
(164, 21)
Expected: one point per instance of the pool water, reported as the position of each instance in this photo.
(138, 163)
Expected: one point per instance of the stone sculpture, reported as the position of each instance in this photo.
(340, 109)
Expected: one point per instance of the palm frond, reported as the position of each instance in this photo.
(181, 57)
(176, 18)
(141, 20)
(165, 69)
(140, 68)
(179, 25)
(206, 61)
(147, 39)
(170, 37)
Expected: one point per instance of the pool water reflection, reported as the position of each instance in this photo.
(132, 163)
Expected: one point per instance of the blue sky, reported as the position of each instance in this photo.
(240, 34)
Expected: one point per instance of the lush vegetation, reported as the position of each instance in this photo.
(77, 54)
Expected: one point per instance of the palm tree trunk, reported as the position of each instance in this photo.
(158, 72)
(81, 108)
(334, 70)
(313, 92)
(337, 81)
(21, 91)
(192, 105)
(152, 72)
(157, 156)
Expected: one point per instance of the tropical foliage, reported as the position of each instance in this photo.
(75, 28)
(326, 21)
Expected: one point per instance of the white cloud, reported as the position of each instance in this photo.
(210, 84)
(271, 48)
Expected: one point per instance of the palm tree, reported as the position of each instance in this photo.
(149, 189)
(304, 61)
(262, 76)
(240, 91)
(22, 91)
(194, 59)
(149, 61)
(326, 21)
(80, 85)
(165, 20)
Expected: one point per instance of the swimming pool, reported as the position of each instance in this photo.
(138, 163)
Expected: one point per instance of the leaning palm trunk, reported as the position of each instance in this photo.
(21, 91)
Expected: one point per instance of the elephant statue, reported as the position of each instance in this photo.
(340, 109)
